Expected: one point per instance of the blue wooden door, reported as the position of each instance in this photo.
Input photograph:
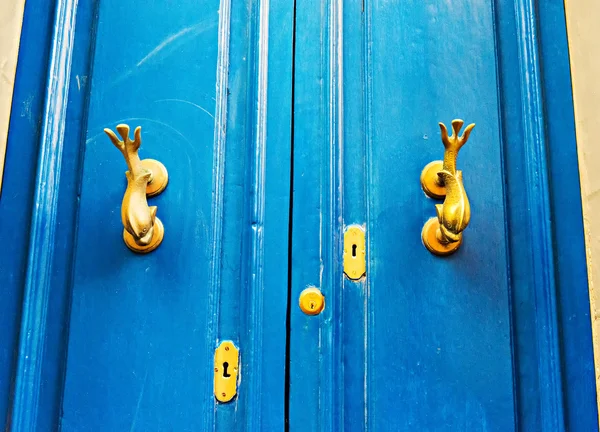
(109, 339)
(495, 337)
(284, 126)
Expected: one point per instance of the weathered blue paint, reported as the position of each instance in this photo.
(485, 339)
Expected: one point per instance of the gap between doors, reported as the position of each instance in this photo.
(290, 231)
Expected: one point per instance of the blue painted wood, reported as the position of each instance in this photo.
(142, 329)
(469, 342)
(579, 392)
(18, 187)
(57, 318)
(549, 367)
(393, 349)
(569, 256)
(264, 300)
(317, 211)
(25, 405)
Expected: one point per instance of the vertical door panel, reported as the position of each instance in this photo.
(141, 325)
(143, 328)
(440, 328)
(422, 342)
(422, 338)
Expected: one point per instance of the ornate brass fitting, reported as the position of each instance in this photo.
(143, 230)
(440, 179)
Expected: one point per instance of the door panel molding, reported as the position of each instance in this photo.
(43, 223)
(19, 178)
(218, 186)
(538, 200)
(561, 394)
(575, 339)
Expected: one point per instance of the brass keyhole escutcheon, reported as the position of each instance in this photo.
(226, 371)
(312, 301)
(355, 264)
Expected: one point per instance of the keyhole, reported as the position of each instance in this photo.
(354, 251)
(225, 373)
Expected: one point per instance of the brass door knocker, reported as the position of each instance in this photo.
(143, 231)
(440, 179)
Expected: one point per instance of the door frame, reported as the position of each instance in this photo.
(544, 216)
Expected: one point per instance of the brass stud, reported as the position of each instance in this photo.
(311, 301)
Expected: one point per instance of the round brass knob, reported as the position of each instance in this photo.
(312, 301)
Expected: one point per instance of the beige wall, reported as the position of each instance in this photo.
(11, 17)
(584, 47)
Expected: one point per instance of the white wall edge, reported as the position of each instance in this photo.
(11, 19)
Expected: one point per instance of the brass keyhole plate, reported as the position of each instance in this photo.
(226, 371)
(355, 262)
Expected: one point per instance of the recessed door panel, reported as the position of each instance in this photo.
(436, 324)
(141, 326)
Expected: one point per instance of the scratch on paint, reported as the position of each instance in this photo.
(81, 80)
(170, 39)
(189, 103)
(188, 31)
(139, 403)
(164, 43)
(26, 108)
(141, 119)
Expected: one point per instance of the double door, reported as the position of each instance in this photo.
(299, 264)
